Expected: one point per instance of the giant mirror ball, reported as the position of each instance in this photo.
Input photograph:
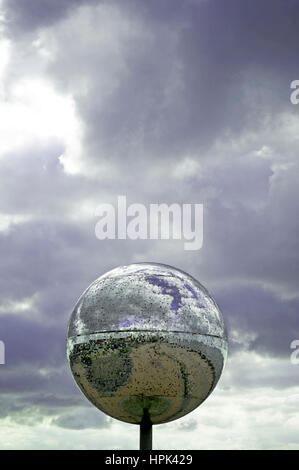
(146, 337)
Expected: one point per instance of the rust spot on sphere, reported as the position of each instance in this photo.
(146, 336)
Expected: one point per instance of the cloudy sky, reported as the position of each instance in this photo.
(161, 101)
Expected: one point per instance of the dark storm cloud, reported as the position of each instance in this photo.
(28, 390)
(56, 401)
(188, 76)
(273, 322)
(53, 252)
(41, 182)
(26, 15)
(22, 404)
(65, 411)
(31, 342)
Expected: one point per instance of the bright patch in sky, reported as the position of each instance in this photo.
(33, 112)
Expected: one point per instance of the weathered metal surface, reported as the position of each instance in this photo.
(146, 336)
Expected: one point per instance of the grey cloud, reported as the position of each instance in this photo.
(189, 425)
(29, 341)
(200, 84)
(82, 419)
(273, 322)
(65, 411)
(252, 371)
(54, 401)
(25, 16)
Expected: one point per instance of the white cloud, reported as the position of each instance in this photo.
(7, 221)
(187, 168)
(18, 306)
(35, 113)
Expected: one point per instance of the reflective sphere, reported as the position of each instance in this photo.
(146, 336)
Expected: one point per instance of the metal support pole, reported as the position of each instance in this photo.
(146, 436)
